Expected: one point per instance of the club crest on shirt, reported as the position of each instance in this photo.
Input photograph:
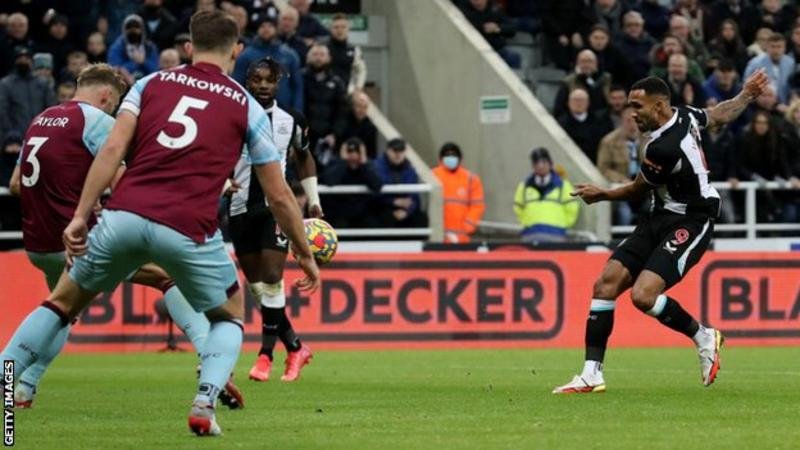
(283, 128)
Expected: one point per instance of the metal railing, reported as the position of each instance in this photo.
(423, 233)
(750, 226)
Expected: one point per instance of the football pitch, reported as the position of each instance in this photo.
(427, 399)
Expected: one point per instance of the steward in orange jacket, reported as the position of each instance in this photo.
(463, 195)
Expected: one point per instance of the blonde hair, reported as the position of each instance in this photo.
(789, 115)
(102, 75)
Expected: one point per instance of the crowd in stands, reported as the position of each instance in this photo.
(703, 49)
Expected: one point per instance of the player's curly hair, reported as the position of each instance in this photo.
(274, 67)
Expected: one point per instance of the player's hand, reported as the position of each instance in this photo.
(311, 281)
(74, 238)
(755, 85)
(588, 193)
(315, 211)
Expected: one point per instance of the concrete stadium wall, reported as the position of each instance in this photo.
(439, 67)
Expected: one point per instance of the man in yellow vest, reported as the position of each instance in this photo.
(463, 195)
(542, 202)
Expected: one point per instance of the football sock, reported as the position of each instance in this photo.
(670, 313)
(193, 324)
(286, 333)
(33, 336)
(219, 355)
(34, 372)
(270, 323)
(598, 329)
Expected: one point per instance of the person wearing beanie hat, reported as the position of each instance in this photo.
(22, 94)
(463, 195)
(132, 51)
(543, 203)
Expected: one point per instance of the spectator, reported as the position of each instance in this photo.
(777, 65)
(609, 58)
(768, 103)
(57, 43)
(462, 192)
(719, 147)
(360, 126)
(267, 45)
(618, 159)
(759, 46)
(494, 26)
(723, 84)
(609, 14)
(635, 44)
(398, 210)
(65, 91)
(132, 52)
(685, 89)
(76, 61)
(543, 203)
(326, 108)
(169, 59)
(16, 35)
(239, 13)
(346, 60)
(762, 157)
(188, 11)
(738, 11)
(656, 17)
(181, 40)
(729, 45)
(584, 128)
(12, 146)
(351, 168)
(43, 69)
(96, 49)
(564, 23)
(587, 77)
(616, 100)
(791, 136)
(309, 27)
(693, 46)
(22, 95)
(661, 54)
(288, 21)
(113, 14)
(773, 14)
(160, 24)
(525, 15)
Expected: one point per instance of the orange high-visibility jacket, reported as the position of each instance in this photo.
(463, 200)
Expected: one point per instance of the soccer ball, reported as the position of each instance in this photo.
(322, 240)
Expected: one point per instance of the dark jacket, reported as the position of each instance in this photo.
(597, 88)
(160, 26)
(764, 156)
(402, 174)
(720, 151)
(290, 88)
(656, 18)
(565, 17)
(677, 88)
(343, 54)
(58, 48)
(586, 134)
(491, 13)
(326, 108)
(350, 209)
(638, 53)
(296, 43)
(21, 99)
(310, 27)
(7, 45)
(364, 130)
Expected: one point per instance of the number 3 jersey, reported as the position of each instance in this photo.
(60, 145)
(192, 124)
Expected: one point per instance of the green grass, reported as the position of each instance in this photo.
(428, 399)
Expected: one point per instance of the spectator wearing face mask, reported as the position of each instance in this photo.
(132, 51)
(398, 210)
(543, 203)
(462, 191)
(22, 95)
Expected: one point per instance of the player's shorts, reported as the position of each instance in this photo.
(52, 266)
(252, 232)
(666, 243)
(124, 241)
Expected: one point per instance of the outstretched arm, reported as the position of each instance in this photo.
(727, 111)
(593, 194)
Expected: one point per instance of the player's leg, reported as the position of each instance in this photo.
(683, 247)
(192, 323)
(208, 279)
(625, 263)
(52, 266)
